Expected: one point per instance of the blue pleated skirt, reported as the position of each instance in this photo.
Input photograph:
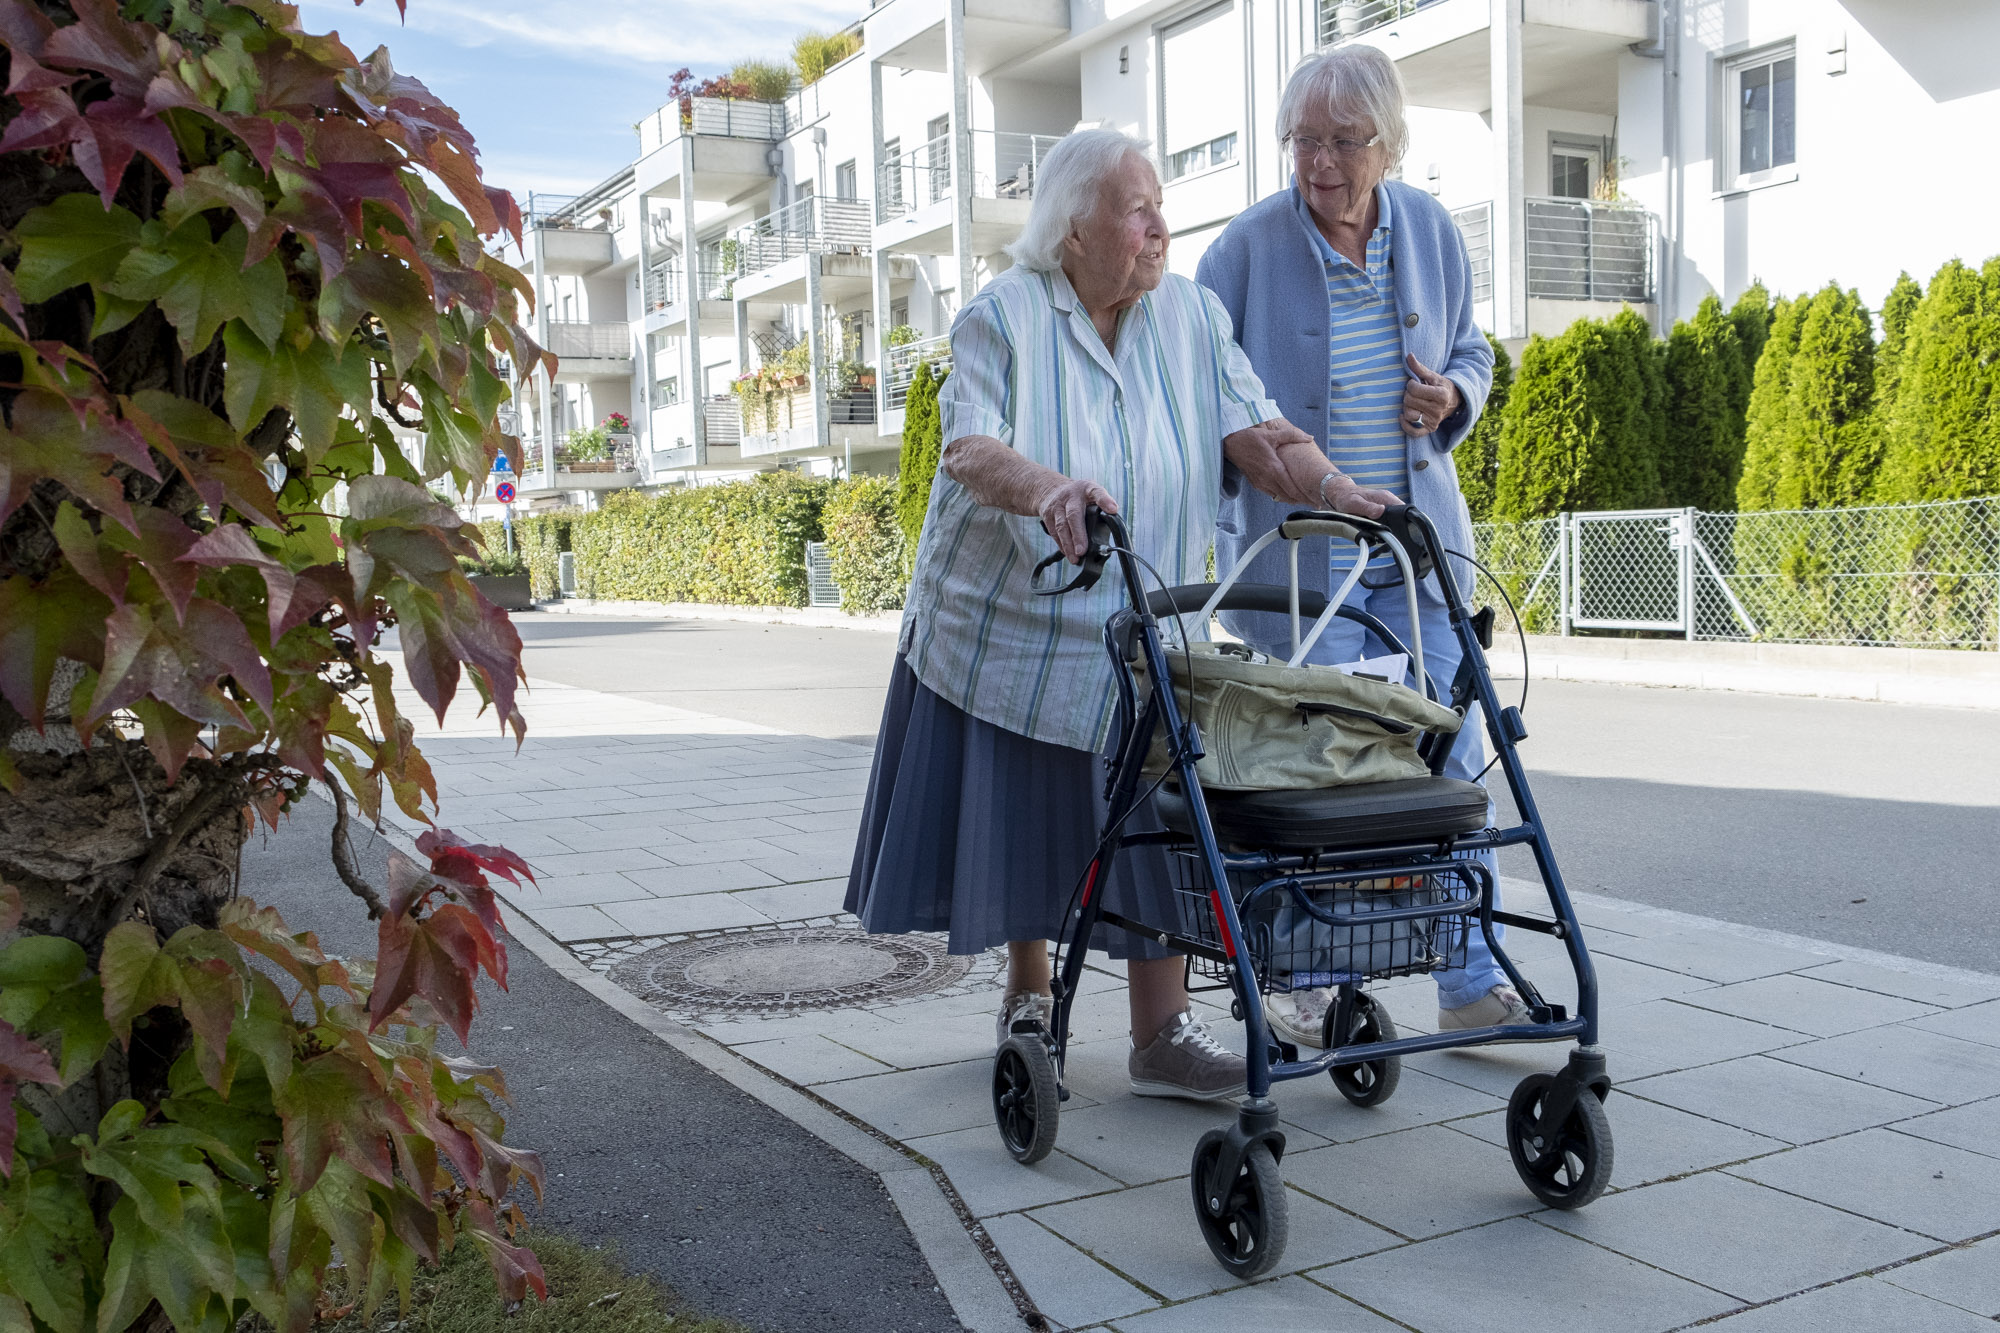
(982, 833)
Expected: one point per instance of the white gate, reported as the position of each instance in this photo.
(1636, 569)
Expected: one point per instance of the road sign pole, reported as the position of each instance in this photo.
(507, 526)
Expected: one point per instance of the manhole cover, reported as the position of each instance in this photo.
(813, 968)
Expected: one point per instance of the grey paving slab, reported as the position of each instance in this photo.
(1652, 1142)
(914, 1102)
(731, 849)
(1863, 1305)
(823, 842)
(578, 891)
(1620, 982)
(1289, 1305)
(1754, 1243)
(1065, 1284)
(1149, 1235)
(825, 804)
(1967, 1276)
(773, 811)
(810, 1059)
(623, 816)
(1712, 955)
(667, 881)
(825, 821)
(1974, 1127)
(1518, 1275)
(803, 868)
(1496, 1070)
(584, 838)
(1950, 992)
(991, 1181)
(1926, 1187)
(697, 911)
(727, 830)
(1143, 1139)
(1421, 1099)
(796, 902)
(1907, 1059)
(1417, 1182)
(1776, 1098)
(937, 1040)
(1980, 1023)
(1661, 1035)
(1806, 1004)
(572, 923)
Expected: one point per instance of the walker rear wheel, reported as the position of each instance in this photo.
(1568, 1165)
(1247, 1229)
(1026, 1099)
(1374, 1082)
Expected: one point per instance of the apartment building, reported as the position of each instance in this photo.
(1597, 154)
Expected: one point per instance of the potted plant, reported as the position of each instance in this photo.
(617, 423)
(502, 578)
(902, 335)
(588, 449)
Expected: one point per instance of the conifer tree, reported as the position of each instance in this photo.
(1752, 315)
(1898, 309)
(1944, 443)
(923, 444)
(1764, 424)
(1572, 437)
(1478, 455)
(1645, 437)
(1832, 444)
(1707, 386)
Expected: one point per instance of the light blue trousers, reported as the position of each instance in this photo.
(1344, 641)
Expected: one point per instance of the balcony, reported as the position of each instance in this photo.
(1585, 258)
(913, 207)
(1569, 48)
(899, 367)
(910, 34)
(666, 293)
(795, 422)
(727, 136)
(590, 350)
(615, 472)
(770, 254)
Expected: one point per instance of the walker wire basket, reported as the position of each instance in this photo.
(1291, 944)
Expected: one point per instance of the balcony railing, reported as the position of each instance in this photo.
(723, 419)
(1583, 250)
(666, 283)
(856, 408)
(811, 225)
(1578, 250)
(900, 364)
(720, 117)
(1342, 19)
(590, 340)
(1004, 166)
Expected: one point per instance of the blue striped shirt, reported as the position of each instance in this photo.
(1146, 423)
(1365, 374)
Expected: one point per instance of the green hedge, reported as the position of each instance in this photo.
(865, 544)
(1478, 454)
(741, 543)
(539, 540)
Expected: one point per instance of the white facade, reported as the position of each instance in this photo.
(1597, 153)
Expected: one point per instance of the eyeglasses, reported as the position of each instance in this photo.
(1345, 150)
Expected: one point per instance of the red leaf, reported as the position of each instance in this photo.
(515, 1267)
(159, 546)
(207, 452)
(232, 544)
(104, 40)
(21, 1061)
(434, 958)
(334, 1103)
(100, 564)
(443, 846)
(49, 442)
(10, 300)
(181, 666)
(117, 128)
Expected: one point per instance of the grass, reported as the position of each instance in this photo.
(590, 1291)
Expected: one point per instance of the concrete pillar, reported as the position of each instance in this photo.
(692, 389)
(1672, 204)
(816, 353)
(961, 146)
(546, 408)
(1510, 174)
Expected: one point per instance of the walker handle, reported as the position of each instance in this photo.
(1098, 525)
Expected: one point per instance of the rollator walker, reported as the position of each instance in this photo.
(1329, 887)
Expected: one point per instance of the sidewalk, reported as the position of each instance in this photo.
(1800, 1127)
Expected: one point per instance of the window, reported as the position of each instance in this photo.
(892, 173)
(899, 312)
(846, 181)
(1574, 169)
(938, 154)
(1762, 126)
(1201, 91)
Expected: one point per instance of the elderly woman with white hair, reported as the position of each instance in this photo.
(1084, 375)
(1351, 294)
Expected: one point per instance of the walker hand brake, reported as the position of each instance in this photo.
(1092, 567)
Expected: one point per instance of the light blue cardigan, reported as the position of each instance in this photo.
(1272, 282)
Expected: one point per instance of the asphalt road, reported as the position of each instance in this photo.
(707, 1189)
(1771, 811)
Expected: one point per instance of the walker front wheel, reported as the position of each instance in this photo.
(1026, 1098)
(1246, 1227)
(1373, 1082)
(1565, 1165)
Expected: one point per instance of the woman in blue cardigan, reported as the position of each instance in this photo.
(1352, 296)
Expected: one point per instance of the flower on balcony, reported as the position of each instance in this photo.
(617, 423)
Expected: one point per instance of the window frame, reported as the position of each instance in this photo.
(1731, 177)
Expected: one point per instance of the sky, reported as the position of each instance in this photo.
(551, 88)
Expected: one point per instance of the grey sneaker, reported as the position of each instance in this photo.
(1299, 1016)
(1185, 1061)
(1019, 1007)
(1499, 1007)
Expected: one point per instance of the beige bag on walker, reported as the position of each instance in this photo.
(1271, 725)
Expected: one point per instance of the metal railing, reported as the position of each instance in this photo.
(1342, 19)
(1584, 250)
(1004, 166)
(722, 419)
(666, 283)
(590, 340)
(856, 408)
(809, 225)
(1908, 576)
(899, 366)
(722, 117)
(559, 210)
(1475, 224)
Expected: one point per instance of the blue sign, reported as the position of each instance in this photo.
(500, 463)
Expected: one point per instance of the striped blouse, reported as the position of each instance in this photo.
(1366, 375)
(1147, 424)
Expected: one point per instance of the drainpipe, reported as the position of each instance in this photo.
(816, 355)
(545, 409)
(691, 386)
(878, 261)
(1249, 103)
(1672, 207)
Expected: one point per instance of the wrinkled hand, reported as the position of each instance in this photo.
(1362, 502)
(1428, 400)
(1279, 459)
(1063, 507)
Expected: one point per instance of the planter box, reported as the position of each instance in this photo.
(509, 592)
(591, 465)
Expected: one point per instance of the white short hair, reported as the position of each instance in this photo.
(1352, 83)
(1068, 188)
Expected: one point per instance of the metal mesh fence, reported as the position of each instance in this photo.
(1909, 576)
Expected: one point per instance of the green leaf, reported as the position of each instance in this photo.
(70, 242)
(137, 976)
(315, 382)
(40, 622)
(200, 283)
(331, 1104)
(190, 1269)
(149, 1164)
(48, 1244)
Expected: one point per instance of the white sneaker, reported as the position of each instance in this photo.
(1299, 1016)
(1020, 1008)
(1500, 1007)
